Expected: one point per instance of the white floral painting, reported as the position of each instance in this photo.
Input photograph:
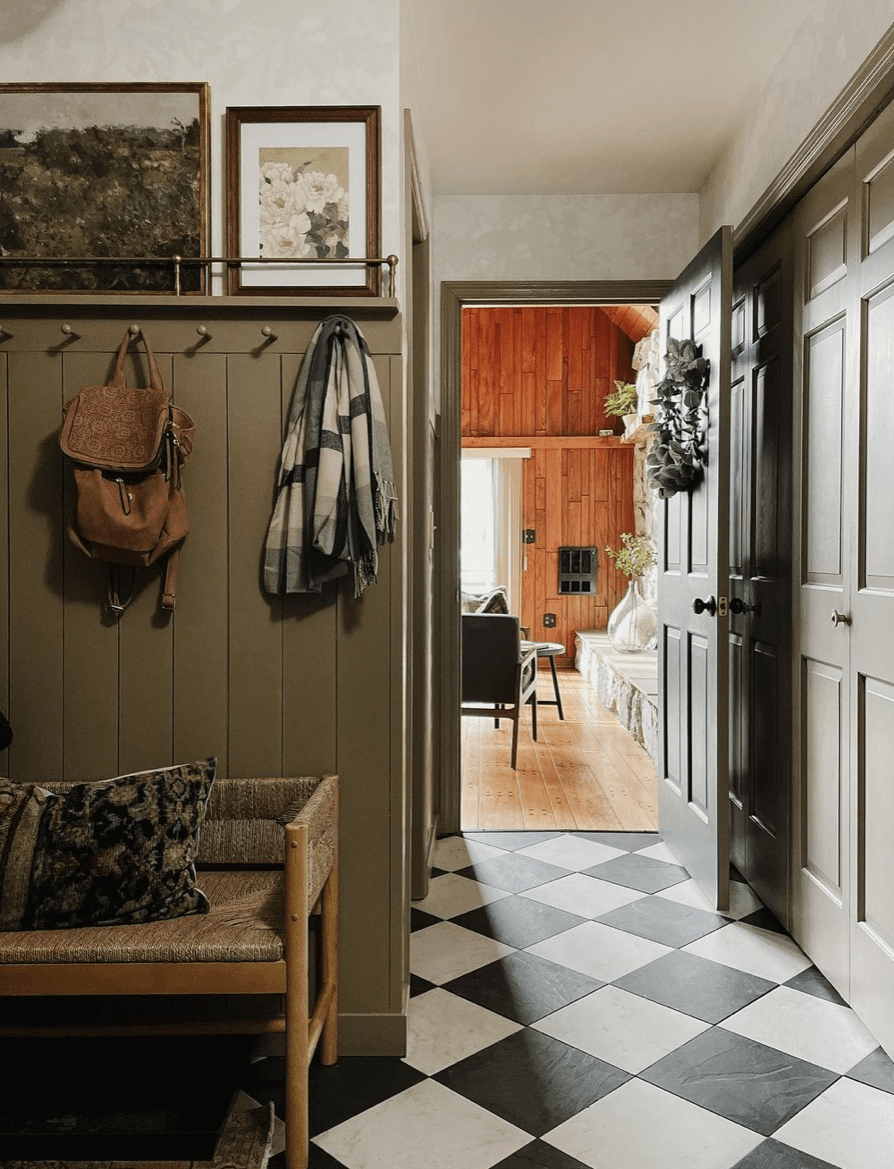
(303, 202)
(303, 199)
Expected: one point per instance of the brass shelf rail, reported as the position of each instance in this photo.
(176, 263)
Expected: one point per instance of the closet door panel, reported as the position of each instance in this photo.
(90, 646)
(35, 565)
(201, 620)
(254, 417)
(146, 648)
(309, 654)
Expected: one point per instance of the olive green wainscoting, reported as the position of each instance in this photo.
(302, 685)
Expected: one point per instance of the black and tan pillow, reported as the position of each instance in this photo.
(117, 852)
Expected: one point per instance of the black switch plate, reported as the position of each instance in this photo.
(529, 536)
(549, 620)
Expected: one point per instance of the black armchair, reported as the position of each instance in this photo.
(498, 679)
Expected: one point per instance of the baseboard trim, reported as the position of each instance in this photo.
(372, 1034)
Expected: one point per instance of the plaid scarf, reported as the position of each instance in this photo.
(336, 498)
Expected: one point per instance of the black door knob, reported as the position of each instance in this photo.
(737, 605)
(701, 606)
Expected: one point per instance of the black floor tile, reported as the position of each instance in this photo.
(319, 1159)
(512, 872)
(876, 1070)
(765, 920)
(523, 986)
(812, 982)
(420, 920)
(518, 921)
(533, 1081)
(420, 985)
(539, 1155)
(639, 872)
(629, 841)
(696, 986)
(772, 1154)
(354, 1084)
(509, 840)
(663, 921)
(744, 1081)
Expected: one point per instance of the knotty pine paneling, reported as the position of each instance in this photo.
(543, 372)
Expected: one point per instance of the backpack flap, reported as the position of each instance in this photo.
(116, 426)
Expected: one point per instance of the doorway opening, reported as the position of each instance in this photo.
(533, 374)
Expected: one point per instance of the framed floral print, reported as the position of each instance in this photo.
(103, 172)
(303, 195)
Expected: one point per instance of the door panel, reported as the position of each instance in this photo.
(825, 233)
(871, 633)
(693, 562)
(760, 573)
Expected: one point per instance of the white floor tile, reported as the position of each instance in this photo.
(443, 1029)
(446, 951)
(571, 852)
(428, 1125)
(455, 852)
(659, 852)
(621, 1028)
(742, 898)
(586, 896)
(850, 1125)
(450, 895)
(599, 950)
(639, 1126)
(805, 1026)
(761, 952)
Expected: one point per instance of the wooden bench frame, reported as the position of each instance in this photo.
(304, 1029)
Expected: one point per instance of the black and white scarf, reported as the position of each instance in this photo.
(336, 497)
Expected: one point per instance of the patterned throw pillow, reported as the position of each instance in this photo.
(117, 852)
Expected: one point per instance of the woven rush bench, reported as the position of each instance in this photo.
(267, 860)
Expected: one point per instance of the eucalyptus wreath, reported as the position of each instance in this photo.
(675, 459)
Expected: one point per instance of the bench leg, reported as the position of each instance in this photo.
(328, 1044)
(296, 1011)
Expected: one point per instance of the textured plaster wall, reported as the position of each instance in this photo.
(565, 237)
(251, 52)
(824, 54)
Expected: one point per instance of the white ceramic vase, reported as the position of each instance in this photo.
(633, 623)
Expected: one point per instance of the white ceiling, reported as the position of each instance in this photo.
(589, 96)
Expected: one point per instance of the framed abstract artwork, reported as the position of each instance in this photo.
(103, 173)
(303, 194)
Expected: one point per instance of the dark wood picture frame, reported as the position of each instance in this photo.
(270, 151)
(101, 172)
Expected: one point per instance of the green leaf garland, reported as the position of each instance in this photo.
(675, 460)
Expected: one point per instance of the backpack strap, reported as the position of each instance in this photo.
(119, 577)
(118, 380)
(172, 570)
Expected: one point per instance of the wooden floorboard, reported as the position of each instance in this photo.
(585, 773)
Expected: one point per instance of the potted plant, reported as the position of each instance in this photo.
(632, 624)
(623, 402)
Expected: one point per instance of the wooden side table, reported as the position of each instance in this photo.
(550, 650)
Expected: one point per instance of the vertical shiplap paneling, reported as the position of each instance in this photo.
(254, 413)
(35, 569)
(310, 660)
(364, 756)
(201, 619)
(90, 645)
(146, 647)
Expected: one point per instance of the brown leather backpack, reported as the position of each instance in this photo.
(128, 447)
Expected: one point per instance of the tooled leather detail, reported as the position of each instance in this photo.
(117, 426)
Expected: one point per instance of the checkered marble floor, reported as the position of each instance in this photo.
(577, 1005)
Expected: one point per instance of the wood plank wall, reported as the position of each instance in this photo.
(542, 372)
(272, 686)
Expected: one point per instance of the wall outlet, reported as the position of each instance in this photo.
(529, 536)
(549, 620)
